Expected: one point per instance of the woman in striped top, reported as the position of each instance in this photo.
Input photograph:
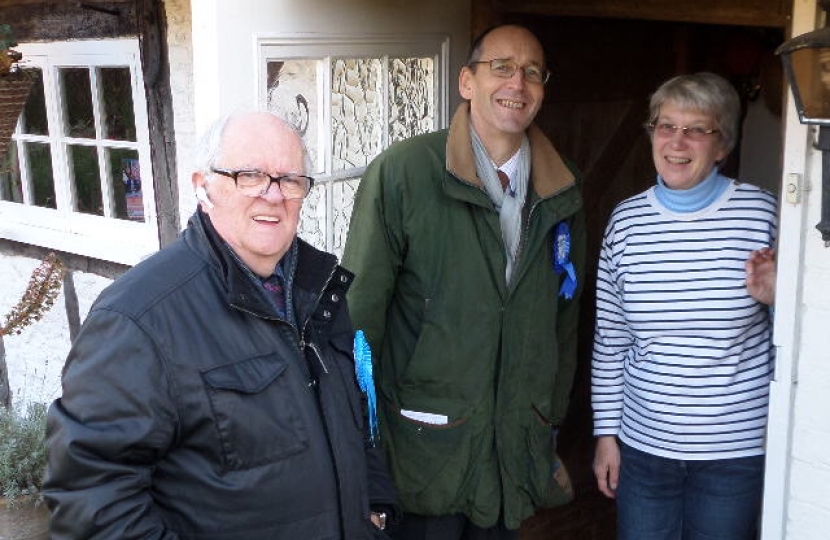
(682, 350)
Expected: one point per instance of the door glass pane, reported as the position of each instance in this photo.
(11, 187)
(77, 103)
(40, 172)
(34, 114)
(117, 92)
(356, 105)
(293, 95)
(128, 200)
(411, 97)
(312, 226)
(85, 171)
(343, 194)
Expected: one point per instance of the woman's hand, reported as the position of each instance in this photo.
(760, 275)
(607, 465)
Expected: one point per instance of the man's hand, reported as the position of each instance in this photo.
(607, 465)
(760, 275)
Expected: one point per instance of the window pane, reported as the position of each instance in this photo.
(40, 172)
(34, 114)
(11, 187)
(77, 102)
(356, 121)
(119, 120)
(128, 201)
(85, 170)
(411, 99)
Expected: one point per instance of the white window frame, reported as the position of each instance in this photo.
(63, 228)
(270, 47)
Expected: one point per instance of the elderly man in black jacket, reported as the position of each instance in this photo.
(211, 393)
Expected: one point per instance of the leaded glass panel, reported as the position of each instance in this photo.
(312, 226)
(343, 193)
(356, 109)
(293, 94)
(411, 97)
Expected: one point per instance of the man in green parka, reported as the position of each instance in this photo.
(468, 248)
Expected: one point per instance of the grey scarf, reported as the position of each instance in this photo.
(509, 205)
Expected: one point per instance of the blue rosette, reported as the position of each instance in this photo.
(365, 379)
(562, 260)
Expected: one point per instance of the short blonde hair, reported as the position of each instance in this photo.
(705, 92)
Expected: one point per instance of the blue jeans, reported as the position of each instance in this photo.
(670, 499)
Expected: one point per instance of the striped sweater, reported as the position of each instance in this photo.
(682, 354)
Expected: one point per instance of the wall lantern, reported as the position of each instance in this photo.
(806, 61)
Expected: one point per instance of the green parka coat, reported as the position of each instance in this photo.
(451, 338)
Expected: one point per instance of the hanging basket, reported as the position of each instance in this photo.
(14, 91)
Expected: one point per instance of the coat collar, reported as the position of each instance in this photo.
(315, 272)
(548, 172)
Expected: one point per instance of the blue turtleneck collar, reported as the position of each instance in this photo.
(693, 199)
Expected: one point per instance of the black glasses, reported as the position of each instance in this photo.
(253, 183)
(504, 68)
(694, 133)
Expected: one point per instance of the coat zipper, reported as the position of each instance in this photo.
(305, 324)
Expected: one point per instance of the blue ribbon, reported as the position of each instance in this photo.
(363, 370)
(561, 260)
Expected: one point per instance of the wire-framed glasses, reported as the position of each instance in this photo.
(253, 183)
(694, 133)
(504, 68)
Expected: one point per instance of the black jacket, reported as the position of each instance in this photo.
(191, 410)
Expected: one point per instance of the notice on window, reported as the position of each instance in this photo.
(132, 189)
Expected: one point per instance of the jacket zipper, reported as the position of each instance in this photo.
(305, 324)
(319, 356)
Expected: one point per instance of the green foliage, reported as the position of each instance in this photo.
(22, 451)
(6, 37)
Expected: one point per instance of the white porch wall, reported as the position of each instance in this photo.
(809, 497)
(797, 496)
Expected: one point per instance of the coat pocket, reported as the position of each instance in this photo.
(255, 411)
(550, 479)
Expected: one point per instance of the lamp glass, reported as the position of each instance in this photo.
(811, 85)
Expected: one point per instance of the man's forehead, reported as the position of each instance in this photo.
(512, 43)
(252, 139)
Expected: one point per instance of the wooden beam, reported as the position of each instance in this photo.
(156, 66)
(763, 13)
(58, 3)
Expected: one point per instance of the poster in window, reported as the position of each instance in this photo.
(131, 176)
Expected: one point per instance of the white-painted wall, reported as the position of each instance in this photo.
(36, 356)
(180, 53)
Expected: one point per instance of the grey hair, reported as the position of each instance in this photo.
(209, 148)
(704, 92)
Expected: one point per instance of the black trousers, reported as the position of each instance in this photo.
(453, 527)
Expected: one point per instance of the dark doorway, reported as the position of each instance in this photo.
(604, 71)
